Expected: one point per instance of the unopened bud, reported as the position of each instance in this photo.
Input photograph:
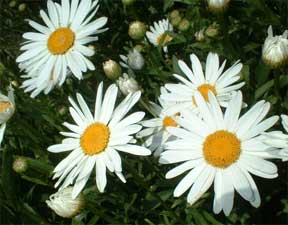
(184, 25)
(112, 69)
(217, 6)
(12, 4)
(137, 30)
(212, 30)
(135, 60)
(20, 164)
(174, 13)
(128, 2)
(175, 21)
(22, 7)
(199, 35)
(64, 205)
(127, 84)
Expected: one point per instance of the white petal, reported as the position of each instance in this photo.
(101, 179)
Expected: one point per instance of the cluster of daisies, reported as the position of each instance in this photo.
(198, 123)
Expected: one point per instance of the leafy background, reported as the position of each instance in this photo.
(147, 196)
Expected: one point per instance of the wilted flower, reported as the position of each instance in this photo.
(134, 60)
(275, 49)
(175, 21)
(137, 30)
(64, 205)
(174, 13)
(7, 108)
(112, 69)
(217, 5)
(199, 35)
(127, 84)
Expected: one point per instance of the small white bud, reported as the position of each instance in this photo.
(135, 60)
(64, 205)
(217, 6)
(275, 49)
(127, 84)
(112, 69)
(199, 35)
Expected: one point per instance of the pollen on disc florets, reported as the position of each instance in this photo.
(60, 41)
(95, 139)
(221, 149)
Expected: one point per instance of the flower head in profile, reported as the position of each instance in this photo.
(275, 48)
(7, 109)
(158, 33)
(224, 148)
(155, 131)
(278, 139)
(60, 46)
(95, 140)
(64, 205)
(222, 84)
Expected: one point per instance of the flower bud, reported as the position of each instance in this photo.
(12, 3)
(128, 2)
(175, 21)
(137, 30)
(212, 30)
(112, 69)
(199, 35)
(127, 84)
(184, 25)
(135, 60)
(275, 49)
(64, 205)
(22, 7)
(174, 13)
(217, 6)
(20, 164)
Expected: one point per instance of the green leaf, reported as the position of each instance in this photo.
(263, 89)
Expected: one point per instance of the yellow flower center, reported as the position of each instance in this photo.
(221, 149)
(61, 40)
(166, 39)
(95, 139)
(4, 105)
(203, 89)
(169, 122)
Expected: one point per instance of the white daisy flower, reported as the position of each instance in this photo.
(221, 84)
(278, 139)
(155, 132)
(222, 148)
(96, 140)
(7, 109)
(64, 205)
(60, 46)
(157, 34)
(275, 48)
